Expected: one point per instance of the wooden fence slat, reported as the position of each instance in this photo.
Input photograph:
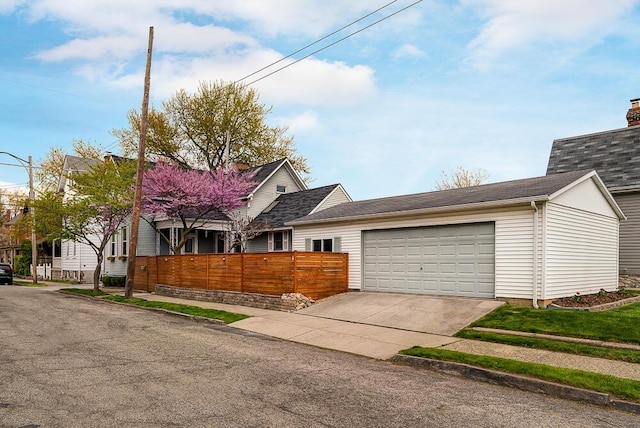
(316, 275)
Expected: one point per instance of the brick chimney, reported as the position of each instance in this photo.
(633, 115)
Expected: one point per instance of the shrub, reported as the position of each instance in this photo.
(114, 280)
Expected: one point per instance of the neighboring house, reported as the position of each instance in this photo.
(76, 260)
(10, 238)
(615, 155)
(290, 206)
(533, 239)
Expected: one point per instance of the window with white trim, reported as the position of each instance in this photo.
(124, 239)
(328, 245)
(281, 189)
(112, 245)
(278, 241)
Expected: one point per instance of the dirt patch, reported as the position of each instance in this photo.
(589, 300)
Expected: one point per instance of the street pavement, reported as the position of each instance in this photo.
(72, 362)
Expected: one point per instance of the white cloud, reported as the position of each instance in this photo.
(108, 39)
(516, 24)
(408, 51)
(303, 122)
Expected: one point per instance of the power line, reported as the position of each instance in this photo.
(334, 43)
(317, 41)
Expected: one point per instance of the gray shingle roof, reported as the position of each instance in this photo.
(290, 206)
(614, 154)
(538, 188)
(262, 172)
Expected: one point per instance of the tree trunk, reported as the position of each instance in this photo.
(96, 275)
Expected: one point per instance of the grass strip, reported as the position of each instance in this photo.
(227, 317)
(615, 325)
(626, 355)
(28, 283)
(622, 388)
(85, 292)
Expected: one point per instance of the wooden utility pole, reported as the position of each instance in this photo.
(137, 201)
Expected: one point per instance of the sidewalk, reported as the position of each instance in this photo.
(384, 343)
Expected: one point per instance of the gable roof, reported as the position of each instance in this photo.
(290, 206)
(73, 164)
(484, 196)
(264, 172)
(614, 154)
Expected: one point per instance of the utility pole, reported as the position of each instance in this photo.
(34, 238)
(137, 201)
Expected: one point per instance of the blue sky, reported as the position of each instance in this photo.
(472, 83)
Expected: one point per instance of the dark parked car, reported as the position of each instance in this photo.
(6, 274)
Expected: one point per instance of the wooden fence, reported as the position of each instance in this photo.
(314, 274)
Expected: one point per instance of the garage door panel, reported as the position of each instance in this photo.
(447, 260)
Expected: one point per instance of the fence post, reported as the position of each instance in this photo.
(242, 272)
(294, 256)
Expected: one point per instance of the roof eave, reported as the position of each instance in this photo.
(431, 210)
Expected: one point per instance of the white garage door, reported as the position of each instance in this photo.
(456, 260)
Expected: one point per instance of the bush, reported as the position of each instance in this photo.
(22, 265)
(114, 280)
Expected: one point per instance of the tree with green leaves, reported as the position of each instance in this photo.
(99, 201)
(221, 122)
(50, 168)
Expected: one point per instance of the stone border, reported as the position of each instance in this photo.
(261, 301)
(520, 382)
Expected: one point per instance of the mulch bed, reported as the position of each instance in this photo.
(588, 300)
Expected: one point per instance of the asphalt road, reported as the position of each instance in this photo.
(72, 362)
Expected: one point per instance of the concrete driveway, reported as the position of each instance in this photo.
(425, 314)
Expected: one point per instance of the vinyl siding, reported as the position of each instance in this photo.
(338, 196)
(84, 260)
(258, 244)
(629, 233)
(513, 245)
(586, 196)
(267, 193)
(581, 252)
(146, 247)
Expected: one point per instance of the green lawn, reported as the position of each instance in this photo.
(623, 388)
(84, 292)
(615, 325)
(227, 317)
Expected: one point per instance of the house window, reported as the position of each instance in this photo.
(188, 245)
(125, 241)
(278, 241)
(281, 189)
(327, 245)
(112, 245)
(74, 248)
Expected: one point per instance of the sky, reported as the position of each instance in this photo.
(473, 83)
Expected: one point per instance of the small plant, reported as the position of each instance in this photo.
(577, 297)
(602, 292)
(622, 290)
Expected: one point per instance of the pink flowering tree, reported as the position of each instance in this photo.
(192, 196)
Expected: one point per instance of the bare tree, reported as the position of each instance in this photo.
(241, 229)
(461, 177)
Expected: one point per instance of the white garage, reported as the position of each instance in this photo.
(453, 260)
(534, 239)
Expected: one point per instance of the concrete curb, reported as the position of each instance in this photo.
(520, 382)
(131, 305)
(592, 342)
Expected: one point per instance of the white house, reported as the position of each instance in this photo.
(530, 240)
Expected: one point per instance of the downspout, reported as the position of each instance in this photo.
(535, 254)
